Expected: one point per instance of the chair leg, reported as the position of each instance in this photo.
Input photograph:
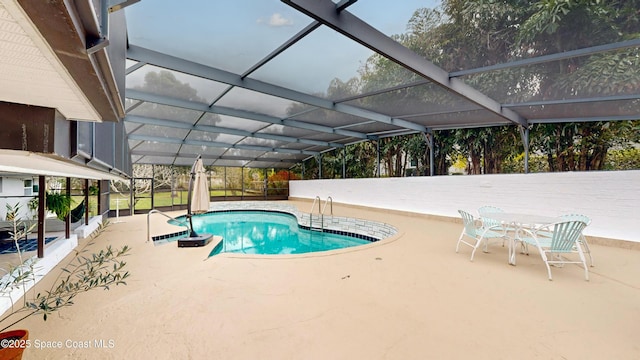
(478, 243)
(462, 235)
(584, 264)
(586, 249)
(543, 254)
(459, 240)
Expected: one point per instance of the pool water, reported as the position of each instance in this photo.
(268, 233)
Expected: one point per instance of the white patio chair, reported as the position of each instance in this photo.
(582, 239)
(490, 223)
(555, 241)
(475, 231)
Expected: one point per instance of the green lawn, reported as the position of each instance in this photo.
(165, 199)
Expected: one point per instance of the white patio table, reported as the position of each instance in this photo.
(519, 221)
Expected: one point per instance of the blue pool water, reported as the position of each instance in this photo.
(269, 233)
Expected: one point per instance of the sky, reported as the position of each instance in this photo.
(234, 35)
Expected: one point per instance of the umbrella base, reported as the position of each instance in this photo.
(195, 241)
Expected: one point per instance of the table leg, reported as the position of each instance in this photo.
(513, 245)
(512, 251)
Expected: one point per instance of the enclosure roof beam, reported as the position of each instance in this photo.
(575, 101)
(207, 157)
(584, 119)
(168, 140)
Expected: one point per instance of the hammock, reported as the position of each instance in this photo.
(76, 214)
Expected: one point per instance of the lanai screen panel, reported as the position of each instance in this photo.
(195, 150)
(343, 140)
(580, 111)
(414, 100)
(159, 81)
(259, 103)
(157, 160)
(232, 36)
(166, 112)
(373, 128)
(232, 122)
(329, 118)
(267, 143)
(333, 58)
(157, 147)
(576, 78)
(214, 136)
(277, 129)
(156, 131)
(457, 119)
(389, 21)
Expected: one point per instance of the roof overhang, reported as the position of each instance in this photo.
(15, 162)
(53, 55)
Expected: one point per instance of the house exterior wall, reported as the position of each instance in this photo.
(610, 198)
(12, 192)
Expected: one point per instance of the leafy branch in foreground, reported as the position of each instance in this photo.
(100, 270)
(83, 273)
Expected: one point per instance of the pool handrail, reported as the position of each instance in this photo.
(321, 210)
(330, 201)
(153, 211)
(314, 204)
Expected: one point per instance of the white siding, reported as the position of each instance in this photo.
(13, 192)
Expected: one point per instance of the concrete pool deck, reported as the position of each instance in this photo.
(410, 298)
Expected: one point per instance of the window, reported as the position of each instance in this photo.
(28, 187)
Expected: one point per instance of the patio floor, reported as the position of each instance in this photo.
(410, 298)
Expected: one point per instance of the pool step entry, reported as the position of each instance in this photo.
(195, 241)
(154, 211)
(320, 212)
(190, 239)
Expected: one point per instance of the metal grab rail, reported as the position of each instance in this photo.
(321, 211)
(153, 211)
(329, 200)
(314, 204)
(311, 212)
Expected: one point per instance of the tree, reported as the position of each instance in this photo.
(557, 26)
(470, 34)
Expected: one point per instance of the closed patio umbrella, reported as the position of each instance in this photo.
(200, 196)
(199, 193)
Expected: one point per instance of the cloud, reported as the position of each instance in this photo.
(277, 20)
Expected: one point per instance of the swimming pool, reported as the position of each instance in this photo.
(270, 233)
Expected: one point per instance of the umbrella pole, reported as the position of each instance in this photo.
(189, 214)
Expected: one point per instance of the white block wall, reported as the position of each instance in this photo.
(610, 198)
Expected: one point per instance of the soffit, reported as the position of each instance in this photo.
(30, 72)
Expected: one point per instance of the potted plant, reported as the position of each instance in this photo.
(33, 207)
(60, 204)
(82, 273)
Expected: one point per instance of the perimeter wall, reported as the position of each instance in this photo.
(610, 198)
